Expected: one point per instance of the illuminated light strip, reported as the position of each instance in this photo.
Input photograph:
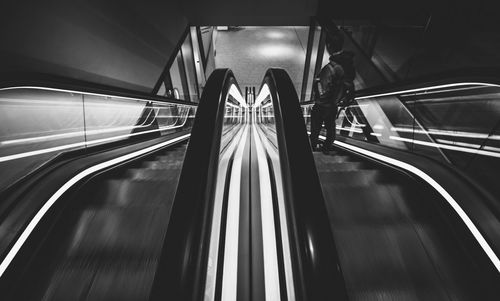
(87, 172)
(287, 260)
(263, 94)
(376, 134)
(231, 105)
(448, 99)
(29, 103)
(446, 146)
(230, 268)
(461, 213)
(495, 149)
(267, 105)
(72, 145)
(73, 134)
(444, 91)
(426, 89)
(355, 121)
(350, 129)
(92, 132)
(271, 277)
(42, 138)
(213, 257)
(468, 145)
(447, 133)
(85, 93)
(234, 92)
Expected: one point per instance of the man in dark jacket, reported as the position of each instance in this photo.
(333, 86)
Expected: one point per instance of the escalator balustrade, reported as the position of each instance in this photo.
(107, 245)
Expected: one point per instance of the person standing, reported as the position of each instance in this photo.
(334, 86)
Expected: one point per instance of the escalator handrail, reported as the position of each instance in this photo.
(423, 85)
(183, 263)
(317, 274)
(91, 90)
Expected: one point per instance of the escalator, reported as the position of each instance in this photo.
(107, 244)
(89, 184)
(406, 223)
(410, 217)
(246, 211)
(394, 240)
(129, 217)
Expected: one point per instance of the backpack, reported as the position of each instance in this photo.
(347, 81)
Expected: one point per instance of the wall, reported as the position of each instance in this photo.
(249, 12)
(462, 38)
(119, 43)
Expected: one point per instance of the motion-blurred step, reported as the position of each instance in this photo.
(392, 239)
(108, 244)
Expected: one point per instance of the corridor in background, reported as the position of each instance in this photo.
(249, 51)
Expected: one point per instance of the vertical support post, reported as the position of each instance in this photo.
(307, 64)
(193, 63)
(202, 48)
(183, 75)
(319, 57)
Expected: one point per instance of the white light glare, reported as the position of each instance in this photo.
(263, 94)
(234, 92)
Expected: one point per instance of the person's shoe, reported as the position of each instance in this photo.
(315, 149)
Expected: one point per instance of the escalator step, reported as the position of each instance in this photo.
(344, 166)
(370, 205)
(162, 165)
(351, 178)
(124, 193)
(322, 159)
(391, 238)
(397, 253)
(107, 282)
(143, 174)
(96, 236)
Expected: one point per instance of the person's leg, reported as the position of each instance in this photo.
(316, 123)
(329, 117)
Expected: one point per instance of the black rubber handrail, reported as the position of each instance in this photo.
(316, 269)
(183, 264)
